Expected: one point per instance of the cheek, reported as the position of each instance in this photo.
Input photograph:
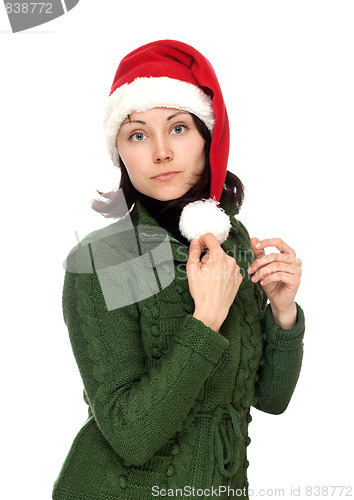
(201, 155)
(133, 160)
(129, 156)
(194, 152)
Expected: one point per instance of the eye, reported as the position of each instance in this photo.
(137, 137)
(179, 129)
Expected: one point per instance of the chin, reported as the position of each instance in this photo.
(167, 194)
(168, 197)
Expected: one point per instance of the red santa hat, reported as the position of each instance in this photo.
(172, 74)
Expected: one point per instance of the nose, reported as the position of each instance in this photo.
(162, 151)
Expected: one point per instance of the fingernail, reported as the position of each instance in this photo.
(257, 245)
(249, 270)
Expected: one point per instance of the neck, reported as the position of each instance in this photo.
(167, 217)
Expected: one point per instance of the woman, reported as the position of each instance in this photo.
(173, 357)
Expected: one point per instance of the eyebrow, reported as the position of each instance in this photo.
(175, 114)
(144, 123)
(133, 121)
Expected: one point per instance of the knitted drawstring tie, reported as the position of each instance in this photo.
(225, 439)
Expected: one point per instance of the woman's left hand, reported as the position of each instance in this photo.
(278, 273)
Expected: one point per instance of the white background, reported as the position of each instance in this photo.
(286, 71)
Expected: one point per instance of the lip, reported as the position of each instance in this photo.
(165, 176)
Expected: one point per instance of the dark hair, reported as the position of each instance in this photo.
(114, 207)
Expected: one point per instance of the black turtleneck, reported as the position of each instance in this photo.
(168, 219)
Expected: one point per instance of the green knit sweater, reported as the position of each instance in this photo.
(168, 398)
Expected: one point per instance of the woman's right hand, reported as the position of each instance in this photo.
(213, 281)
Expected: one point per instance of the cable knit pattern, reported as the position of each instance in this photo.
(168, 398)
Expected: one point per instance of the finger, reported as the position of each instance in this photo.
(278, 243)
(267, 259)
(205, 258)
(289, 279)
(215, 251)
(273, 268)
(298, 262)
(257, 250)
(195, 250)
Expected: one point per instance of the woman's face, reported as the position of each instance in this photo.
(162, 151)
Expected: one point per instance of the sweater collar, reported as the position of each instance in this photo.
(141, 217)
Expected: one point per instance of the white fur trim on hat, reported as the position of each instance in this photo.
(147, 93)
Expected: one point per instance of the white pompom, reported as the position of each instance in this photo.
(204, 216)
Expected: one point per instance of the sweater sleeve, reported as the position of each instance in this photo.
(281, 363)
(137, 409)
